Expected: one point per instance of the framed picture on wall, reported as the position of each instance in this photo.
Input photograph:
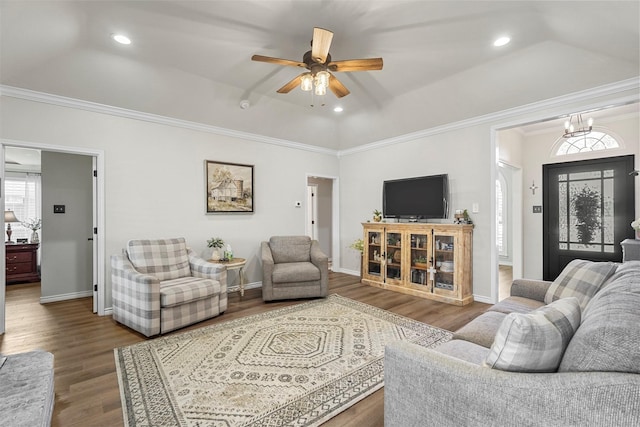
(229, 187)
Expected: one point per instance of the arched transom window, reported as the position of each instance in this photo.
(594, 141)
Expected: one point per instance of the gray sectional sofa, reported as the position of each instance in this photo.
(577, 363)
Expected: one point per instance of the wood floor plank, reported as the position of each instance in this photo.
(86, 384)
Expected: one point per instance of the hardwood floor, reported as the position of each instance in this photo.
(86, 384)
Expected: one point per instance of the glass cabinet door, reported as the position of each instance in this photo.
(420, 262)
(373, 254)
(393, 254)
(444, 251)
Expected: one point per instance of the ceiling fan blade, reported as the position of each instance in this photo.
(291, 85)
(337, 88)
(278, 61)
(320, 44)
(356, 65)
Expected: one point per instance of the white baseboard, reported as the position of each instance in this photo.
(347, 271)
(482, 298)
(236, 288)
(64, 297)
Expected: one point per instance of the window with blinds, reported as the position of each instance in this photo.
(22, 196)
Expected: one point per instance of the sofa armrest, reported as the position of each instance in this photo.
(135, 297)
(267, 271)
(529, 288)
(427, 388)
(320, 260)
(207, 270)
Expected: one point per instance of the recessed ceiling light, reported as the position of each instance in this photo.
(122, 39)
(338, 109)
(501, 41)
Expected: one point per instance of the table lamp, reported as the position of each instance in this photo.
(9, 217)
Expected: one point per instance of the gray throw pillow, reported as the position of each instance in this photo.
(536, 341)
(608, 339)
(580, 279)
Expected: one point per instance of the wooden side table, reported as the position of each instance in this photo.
(21, 262)
(234, 264)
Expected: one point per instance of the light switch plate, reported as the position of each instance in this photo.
(537, 209)
(58, 208)
(475, 208)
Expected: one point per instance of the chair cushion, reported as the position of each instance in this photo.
(535, 342)
(481, 330)
(516, 305)
(290, 248)
(580, 279)
(165, 259)
(186, 289)
(609, 335)
(292, 272)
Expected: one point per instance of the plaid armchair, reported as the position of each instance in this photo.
(161, 285)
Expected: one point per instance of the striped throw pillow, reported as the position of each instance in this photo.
(580, 279)
(536, 341)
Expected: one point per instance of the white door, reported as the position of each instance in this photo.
(312, 213)
(95, 234)
(2, 252)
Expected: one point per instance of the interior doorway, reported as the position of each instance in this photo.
(321, 221)
(91, 244)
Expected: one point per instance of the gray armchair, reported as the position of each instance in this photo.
(293, 267)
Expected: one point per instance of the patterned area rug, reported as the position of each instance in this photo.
(294, 366)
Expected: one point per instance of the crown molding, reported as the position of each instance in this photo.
(582, 96)
(63, 101)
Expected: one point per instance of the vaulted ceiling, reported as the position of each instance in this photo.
(191, 60)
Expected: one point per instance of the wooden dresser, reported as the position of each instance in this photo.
(22, 262)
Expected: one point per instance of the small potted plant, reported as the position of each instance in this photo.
(33, 224)
(358, 245)
(216, 243)
(377, 215)
(420, 262)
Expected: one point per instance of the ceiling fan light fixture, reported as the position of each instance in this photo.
(320, 90)
(322, 78)
(306, 82)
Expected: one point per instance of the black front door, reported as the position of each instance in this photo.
(588, 207)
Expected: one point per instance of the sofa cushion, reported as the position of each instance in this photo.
(187, 289)
(292, 272)
(165, 259)
(464, 350)
(290, 248)
(481, 330)
(535, 342)
(516, 305)
(609, 335)
(580, 279)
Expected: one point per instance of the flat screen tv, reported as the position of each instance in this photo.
(417, 198)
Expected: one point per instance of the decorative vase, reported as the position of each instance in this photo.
(34, 237)
(377, 218)
(215, 254)
(637, 234)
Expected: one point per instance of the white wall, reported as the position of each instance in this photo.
(154, 177)
(462, 154)
(66, 252)
(155, 184)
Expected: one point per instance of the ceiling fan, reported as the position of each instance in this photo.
(318, 62)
